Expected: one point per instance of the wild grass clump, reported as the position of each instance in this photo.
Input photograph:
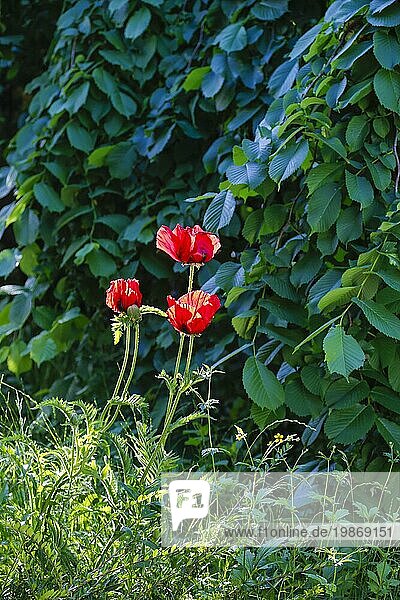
(78, 521)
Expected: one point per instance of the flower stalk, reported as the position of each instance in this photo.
(124, 363)
(134, 359)
(190, 315)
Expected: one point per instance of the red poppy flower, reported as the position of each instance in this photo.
(122, 294)
(193, 312)
(188, 244)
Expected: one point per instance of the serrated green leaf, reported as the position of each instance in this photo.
(274, 218)
(232, 38)
(263, 417)
(229, 275)
(386, 49)
(387, 88)
(380, 317)
(8, 261)
(301, 401)
(305, 40)
(359, 189)
(261, 385)
(348, 425)
(285, 310)
(288, 160)
(100, 263)
(244, 323)
(269, 10)
(356, 132)
(220, 212)
(356, 92)
(377, 6)
(349, 57)
(252, 226)
(194, 78)
(381, 126)
(251, 174)
(391, 277)
(381, 175)
(337, 297)
(387, 398)
(388, 17)
(80, 138)
(48, 197)
(42, 348)
(98, 156)
(390, 432)
(123, 103)
(323, 174)
(324, 207)
(349, 224)
(312, 378)
(138, 23)
(280, 284)
(343, 354)
(343, 393)
(283, 77)
(394, 374)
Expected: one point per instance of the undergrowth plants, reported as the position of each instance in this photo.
(79, 521)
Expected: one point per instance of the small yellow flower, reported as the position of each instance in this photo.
(240, 434)
(278, 437)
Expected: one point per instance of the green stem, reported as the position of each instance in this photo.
(191, 277)
(189, 355)
(179, 355)
(209, 425)
(125, 362)
(164, 434)
(173, 400)
(134, 360)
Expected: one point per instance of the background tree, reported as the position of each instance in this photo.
(138, 110)
(318, 288)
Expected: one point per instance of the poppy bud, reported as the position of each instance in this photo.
(122, 294)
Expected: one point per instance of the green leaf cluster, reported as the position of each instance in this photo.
(318, 194)
(137, 110)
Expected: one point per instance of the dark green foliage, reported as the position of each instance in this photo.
(321, 278)
(26, 30)
(133, 117)
(138, 110)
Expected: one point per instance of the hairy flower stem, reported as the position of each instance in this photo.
(134, 360)
(189, 356)
(170, 405)
(124, 363)
(173, 403)
(191, 277)
(176, 387)
(179, 355)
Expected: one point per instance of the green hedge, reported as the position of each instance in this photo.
(138, 110)
(318, 289)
